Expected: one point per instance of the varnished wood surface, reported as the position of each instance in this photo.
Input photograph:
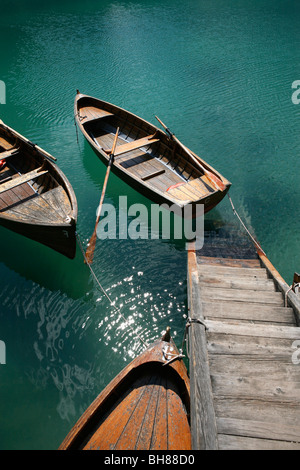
(146, 407)
(146, 158)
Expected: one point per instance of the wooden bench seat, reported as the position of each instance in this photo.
(5, 144)
(135, 144)
(17, 181)
(91, 113)
(153, 174)
(9, 153)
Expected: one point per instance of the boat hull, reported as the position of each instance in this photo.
(147, 159)
(59, 238)
(146, 407)
(36, 199)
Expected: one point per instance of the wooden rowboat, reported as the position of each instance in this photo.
(36, 199)
(152, 162)
(146, 407)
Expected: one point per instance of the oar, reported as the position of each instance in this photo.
(217, 183)
(46, 154)
(89, 255)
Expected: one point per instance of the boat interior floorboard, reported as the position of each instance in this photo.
(142, 418)
(146, 164)
(5, 144)
(17, 194)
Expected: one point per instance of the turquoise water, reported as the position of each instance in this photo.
(220, 74)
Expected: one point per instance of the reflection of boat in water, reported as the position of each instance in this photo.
(36, 199)
(145, 407)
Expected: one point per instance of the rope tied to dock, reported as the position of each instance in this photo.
(244, 226)
(189, 322)
(292, 287)
(196, 320)
(107, 296)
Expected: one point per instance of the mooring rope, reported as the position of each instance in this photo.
(76, 131)
(292, 287)
(250, 235)
(107, 296)
(202, 322)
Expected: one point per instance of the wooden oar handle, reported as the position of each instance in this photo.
(89, 255)
(165, 127)
(48, 155)
(107, 175)
(215, 180)
(115, 142)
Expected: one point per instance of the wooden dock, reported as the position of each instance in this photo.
(245, 381)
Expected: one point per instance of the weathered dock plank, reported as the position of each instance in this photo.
(204, 435)
(236, 295)
(248, 312)
(246, 336)
(228, 442)
(258, 429)
(222, 270)
(253, 330)
(236, 282)
(266, 348)
(272, 389)
(253, 367)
